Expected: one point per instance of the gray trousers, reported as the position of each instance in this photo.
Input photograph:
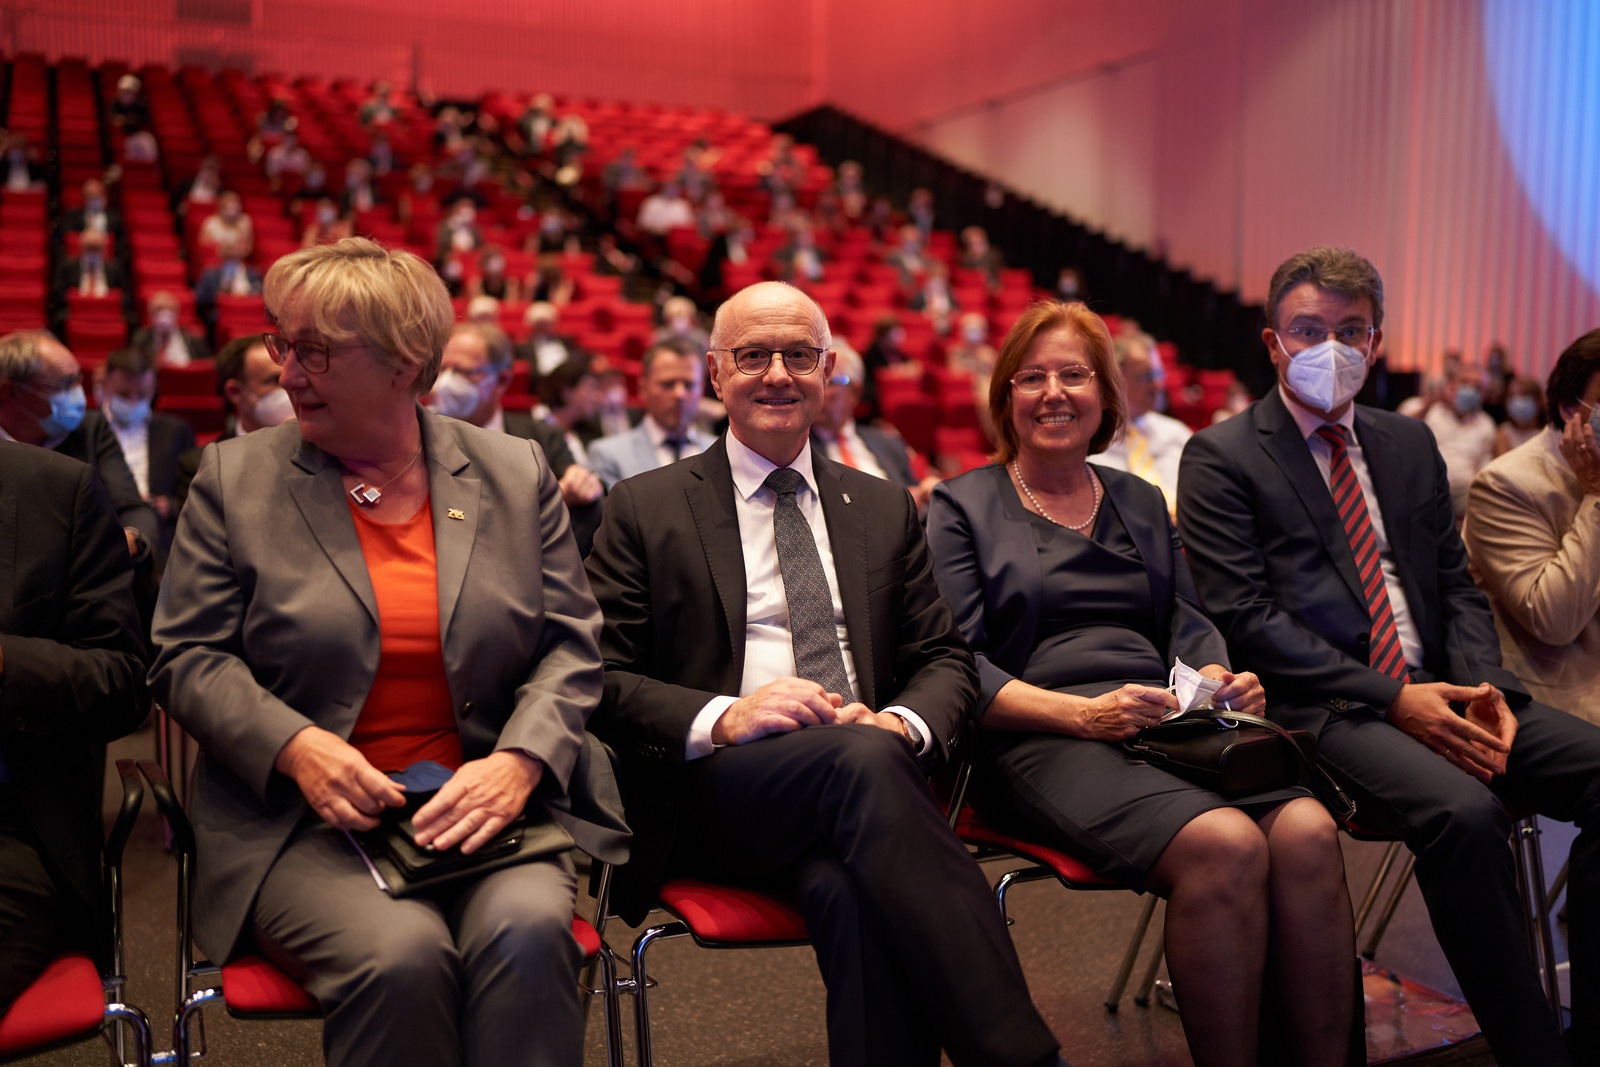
(486, 976)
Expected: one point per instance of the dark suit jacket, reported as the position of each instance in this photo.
(70, 276)
(888, 449)
(668, 570)
(1274, 568)
(74, 658)
(207, 287)
(170, 438)
(987, 564)
(268, 623)
(94, 443)
(72, 221)
(145, 337)
(585, 518)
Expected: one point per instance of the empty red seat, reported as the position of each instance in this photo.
(66, 1001)
(206, 414)
(726, 913)
(196, 379)
(81, 308)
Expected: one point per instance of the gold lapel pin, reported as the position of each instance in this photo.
(847, 498)
(456, 513)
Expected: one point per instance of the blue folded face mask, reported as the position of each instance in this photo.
(424, 776)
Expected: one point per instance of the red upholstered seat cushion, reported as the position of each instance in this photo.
(253, 984)
(67, 999)
(724, 913)
(1072, 871)
(586, 936)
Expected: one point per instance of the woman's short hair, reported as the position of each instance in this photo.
(357, 290)
(1041, 318)
(1570, 377)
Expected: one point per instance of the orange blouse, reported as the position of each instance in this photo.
(408, 715)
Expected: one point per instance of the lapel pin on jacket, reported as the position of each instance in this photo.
(456, 513)
(846, 498)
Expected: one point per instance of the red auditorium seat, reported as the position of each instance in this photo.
(198, 378)
(66, 1001)
(96, 309)
(206, 414)
(916, 420)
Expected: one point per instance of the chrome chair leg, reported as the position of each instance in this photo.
(136, 1021)
(1131, 956)
(1141, 996)
(1378, 877)
(1371, 948)
(1530, 866)
(639, 984)
(1016, 877)
(189, 1014)
(610, 1002)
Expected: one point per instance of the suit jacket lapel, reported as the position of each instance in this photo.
(847, 533)
(1157, 557)
(711, 502)
(319, 493)
(1282, 440)
(456, 502)
(1386, 482)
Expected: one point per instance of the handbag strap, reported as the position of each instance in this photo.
(1341, 807)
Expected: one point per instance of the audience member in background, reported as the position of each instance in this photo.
(153, 443)
(231, 225)
(1463, 431)
(1372, 667)
(624, 174)
(1234, 403)
(140, 147)
(248, 381)
(1070, 586)
(680, 324)
(550, 283)
(381, 155)
(271, 127)
(493, 279)
(474, 375)
(96, 215)
(1498, 374)
(286, 159)
(885, 354)
(1533, 532)
(569, 398)
(909, 259)
(1433, 390)
(545, 349)
(852, 193)
(920, 210)
(612, 413)
(670, 389)
(90, 272)
(933, 297)
(130, 111)
(458, 231)
(978, 254)
(161, 335)
(20, 169)
(42, 402)
(419, 201)
(664, 210)
(838, 436)
(232, 276)
(723, 667)
(483, 309)
(1525, 411)
(612, 261)
(73, 652)
(325, 226)
(970, 350)
(1069, 286)
(534, 125)
(694, 176)
(444, 618)
(568, 143)
(203, 189)
(1151, 443)
(800, 260)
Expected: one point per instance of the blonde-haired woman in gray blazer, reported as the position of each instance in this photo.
(1533, 533)
(353, 592)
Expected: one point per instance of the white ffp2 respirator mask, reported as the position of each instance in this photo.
(1326, 376)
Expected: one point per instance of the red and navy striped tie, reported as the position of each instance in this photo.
(1384, 651)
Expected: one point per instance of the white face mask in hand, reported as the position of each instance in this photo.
(1193, 689)
(1328, 375)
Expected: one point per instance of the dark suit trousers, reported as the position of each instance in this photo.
(906, 932)
(35, 905)
(1458, 828)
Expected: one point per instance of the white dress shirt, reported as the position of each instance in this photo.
(861, 457)
(135, 442)
(1165, 437)
(1467, 445)
(769, 646)
(176, 351)
(658, 441)
(1322, 452)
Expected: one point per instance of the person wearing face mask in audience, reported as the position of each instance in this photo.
(458, 231)
(43, 403)
(909, 259)
(1069, 285)
(1323, 543)
(1524, 404)
(493, 279)
(153, 443)
(96, 214)
(680, 324)
(231, 225)
(247, 381)
(473, 378)
(325, 226)
(359, 192)
(167, 342)
(90, 272)
(20, 169)
(978, 254)
(545, 349)
(231, 277)
(1463, 431)
(1533, 532)
(202, 189)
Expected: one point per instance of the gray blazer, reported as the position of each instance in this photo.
(622, 455)
(267, 623)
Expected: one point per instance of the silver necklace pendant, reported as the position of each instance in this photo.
(366, 495)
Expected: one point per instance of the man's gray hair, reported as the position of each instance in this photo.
(496, 342)
(722, 325)
(1340, 271)
(20, 358)
(1134, 344)
(847, 361)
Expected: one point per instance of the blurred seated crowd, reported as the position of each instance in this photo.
(698, 350)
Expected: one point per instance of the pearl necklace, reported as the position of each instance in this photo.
(1016, 469)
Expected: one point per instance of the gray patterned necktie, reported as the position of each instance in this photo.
(812, 630)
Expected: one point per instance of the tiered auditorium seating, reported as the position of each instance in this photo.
(24, 234)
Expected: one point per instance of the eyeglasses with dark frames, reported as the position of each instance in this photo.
(313, 355)
(752, 360)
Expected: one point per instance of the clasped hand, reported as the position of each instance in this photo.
(788, 704)
(1477, 742)
(350, 793)
(1121, 713)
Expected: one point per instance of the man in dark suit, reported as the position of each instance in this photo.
(1323, 542)
(152, 442)
(231, 277)
(777, 657)
(866, 448)
(72, 666)
(90, 272)
(96, 214)
(474, 376)
(162, 336)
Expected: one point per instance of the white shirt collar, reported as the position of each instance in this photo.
(1309, 421)
(750, 468)
(497, 421)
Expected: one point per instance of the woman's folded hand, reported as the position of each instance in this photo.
(1242, 692)
(1119, 714)
(478, 801)
(336, 779)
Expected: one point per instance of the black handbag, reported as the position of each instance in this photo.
(1236, 755)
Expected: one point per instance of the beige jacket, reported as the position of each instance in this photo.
(1534, 539)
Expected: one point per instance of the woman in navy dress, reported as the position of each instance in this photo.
(1070, 584)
